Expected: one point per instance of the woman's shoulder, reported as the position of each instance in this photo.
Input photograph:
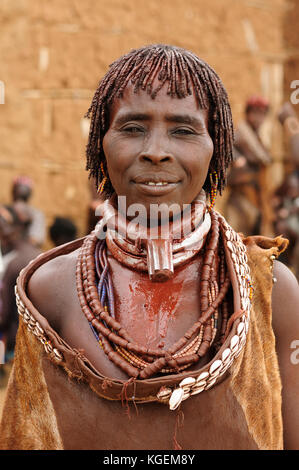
(52, 272)
(285, 322)
(285, 303)
(51, 281)
(50, 265)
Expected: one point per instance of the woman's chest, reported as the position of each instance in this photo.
(156, 314)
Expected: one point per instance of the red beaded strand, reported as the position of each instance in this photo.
(122, 350)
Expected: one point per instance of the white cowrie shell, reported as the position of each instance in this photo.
(226, 353)
(186, 395)
(231, 247)
(164, 393)
(216, 365)
(199, 384)
(209, 385)
(57, 354)
(202, 376)
(197, 390)
(187, 382)
(234, 342)
(176, 398)
(240, 328)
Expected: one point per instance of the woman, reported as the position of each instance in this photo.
(152, 329)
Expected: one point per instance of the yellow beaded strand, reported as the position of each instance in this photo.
(214, 186)
(104, 180)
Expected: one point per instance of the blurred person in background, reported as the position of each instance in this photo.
(289, 120)
(15, 221)
(286, 205)
(7, 253)
(247, 206)
(22, 191)
(286, 198)
(62, 230)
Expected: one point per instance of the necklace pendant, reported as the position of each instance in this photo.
(159, 259)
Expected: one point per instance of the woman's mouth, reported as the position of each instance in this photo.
(155, 187)
(153, 183)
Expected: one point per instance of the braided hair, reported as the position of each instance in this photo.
(185, 74)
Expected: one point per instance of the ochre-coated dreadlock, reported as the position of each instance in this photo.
(185, 74)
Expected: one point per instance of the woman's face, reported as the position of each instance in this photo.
(157, 151)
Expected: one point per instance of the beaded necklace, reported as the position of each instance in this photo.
(95, 292)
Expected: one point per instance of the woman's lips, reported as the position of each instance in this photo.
(158, 188)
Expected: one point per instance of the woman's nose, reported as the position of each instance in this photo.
(155, 151)
(155, 158)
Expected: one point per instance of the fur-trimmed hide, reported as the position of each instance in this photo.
(52, 407)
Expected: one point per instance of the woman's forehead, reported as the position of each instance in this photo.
(141, 101)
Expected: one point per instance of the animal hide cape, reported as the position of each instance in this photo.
(61, 406)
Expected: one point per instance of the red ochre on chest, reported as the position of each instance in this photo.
(156, 314)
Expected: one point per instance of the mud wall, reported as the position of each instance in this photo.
(52, 55)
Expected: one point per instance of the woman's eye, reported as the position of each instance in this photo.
(184, 131)
(132, 129)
